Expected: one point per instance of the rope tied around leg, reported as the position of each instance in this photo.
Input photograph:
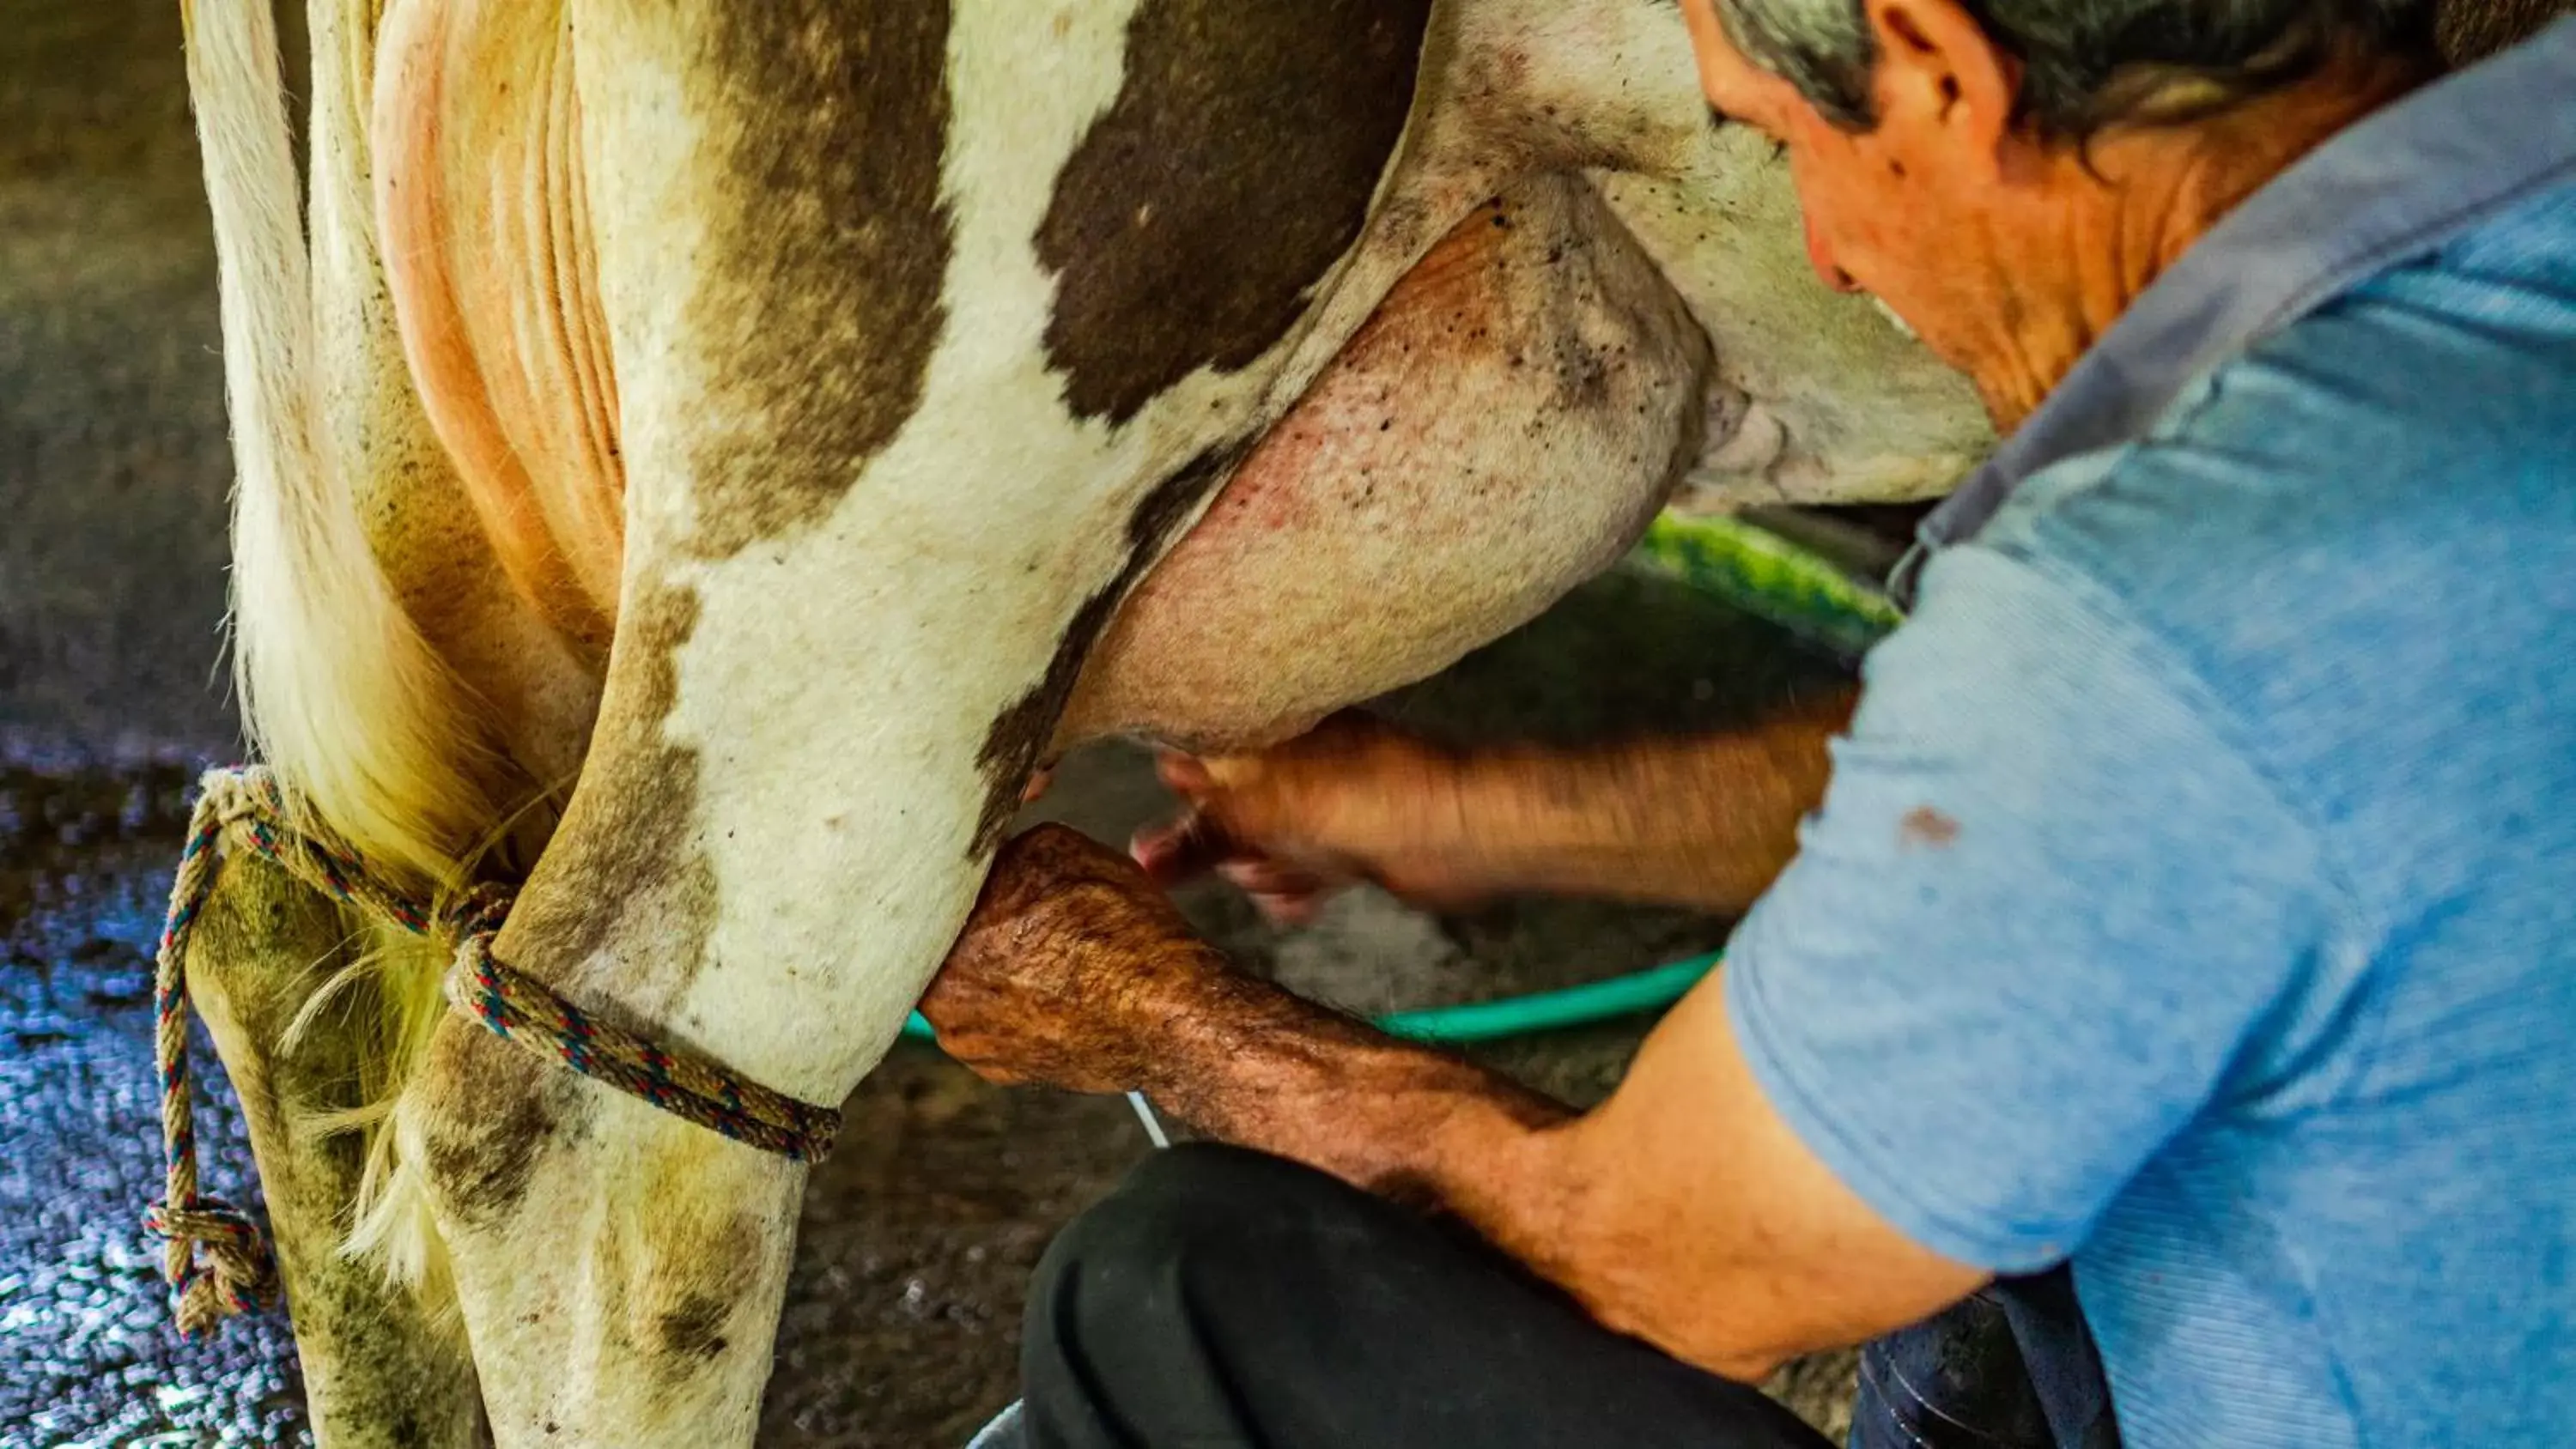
(216, 1260)
(520, 1008)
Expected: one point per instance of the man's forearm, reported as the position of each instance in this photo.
(1682, 1210)
(1265, 1069)
(1706, 821)
(1255, 1066)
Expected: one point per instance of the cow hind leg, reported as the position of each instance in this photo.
(930, 327)
(379, 1369)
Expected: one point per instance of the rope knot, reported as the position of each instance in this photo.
(218, 1264)
(477, 913)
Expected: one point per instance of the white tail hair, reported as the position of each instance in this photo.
(371, 737)
(363, 725)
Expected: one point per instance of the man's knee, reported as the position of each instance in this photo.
(1149, 1305)
(1224, 1298)
(1195, 1218)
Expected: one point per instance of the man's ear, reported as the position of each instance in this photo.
(1938, 74)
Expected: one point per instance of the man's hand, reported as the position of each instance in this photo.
(1704, 821)
(1355, 800)
(1069, 970)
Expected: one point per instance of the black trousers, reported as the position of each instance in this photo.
(1222, 1299)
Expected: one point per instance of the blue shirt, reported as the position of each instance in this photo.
(2195, 897)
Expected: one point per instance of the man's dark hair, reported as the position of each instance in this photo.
(2089, 63)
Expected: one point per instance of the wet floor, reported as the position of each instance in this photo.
(86, 1355)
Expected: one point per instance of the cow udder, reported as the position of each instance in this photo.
(1502, 429)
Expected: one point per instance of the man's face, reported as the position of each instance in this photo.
(1907, 211)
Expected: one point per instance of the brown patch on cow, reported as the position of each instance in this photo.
(699, 1260)
(626, 853)
(1235, 168)
(1924, 825)
(495, 1109)
(833, 244)
(1019, 735)
(695, 1329)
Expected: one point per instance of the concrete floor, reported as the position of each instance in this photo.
(901, 1323)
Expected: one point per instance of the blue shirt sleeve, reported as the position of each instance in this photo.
(2045, 906)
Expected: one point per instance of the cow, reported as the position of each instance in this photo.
(697, 459)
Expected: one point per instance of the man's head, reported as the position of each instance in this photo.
(2007, 174)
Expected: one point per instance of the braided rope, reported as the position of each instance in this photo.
(216, 1261)
(235, 1269)
(517, 1007)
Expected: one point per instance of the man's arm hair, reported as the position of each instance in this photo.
(1682, 1210)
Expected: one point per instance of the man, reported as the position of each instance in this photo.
(2190, 902)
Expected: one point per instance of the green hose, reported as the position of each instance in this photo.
(1770, 578)
(1475, 1021)
(1757, 571)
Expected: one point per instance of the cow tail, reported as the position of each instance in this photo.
(365, 729)
(372, 738)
